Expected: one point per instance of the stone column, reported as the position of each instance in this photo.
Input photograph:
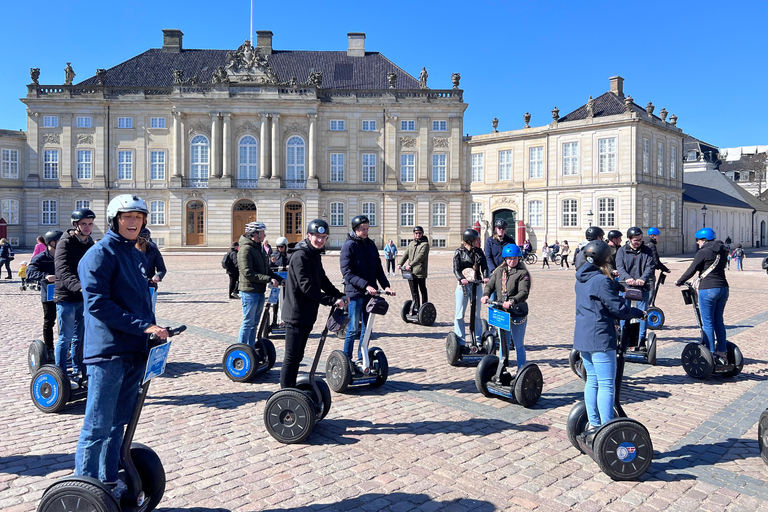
(263, 145)
(215, 159)
(226, 145)
(67, 160)
(275, 171)
(311, 152)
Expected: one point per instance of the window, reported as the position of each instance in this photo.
(84, 164)
(407, 167)
(570, 213)
(294, 159)
(646, 212)
(157, 165)
(606, 149)
(337, 166)
(337, 214)
(337, 125)
(673, 162)
(369, 167)
(198, 157)
(407, 214)
(439, 126)
(50, 121)
(9, 210)
(369, 210)
(439, 215)
(477, 167)
(125, 165)
(407, 126)
(82, 203)
(10, 165)
(536, 162)
(157, 122)
(51, 164)
(438, 242)
(476, 212)
(50, 212)
(125, 122)
(157, 213)
(248, 158)
(369, 125)
(404, 242)
(570, 159)
(660, 213)
(438, 167)
(505, 165)
(646, 156)
(83, 122)
(673, 213)
(660, 159)
(536, 213)
(606, 211)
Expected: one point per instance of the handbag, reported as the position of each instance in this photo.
(632, 293)
(407, 274)
(337, 321)
(697, 280)
(377, 306)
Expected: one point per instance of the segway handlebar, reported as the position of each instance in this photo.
(172, 331)
(380, 292)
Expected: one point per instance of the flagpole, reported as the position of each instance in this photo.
(251, 22)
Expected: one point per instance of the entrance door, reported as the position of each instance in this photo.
(195, 223)
(507, 215)
(294, 219)
(243, 213)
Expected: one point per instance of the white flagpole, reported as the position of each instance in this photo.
(251, 21)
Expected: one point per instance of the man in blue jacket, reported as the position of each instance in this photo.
(494, 245)
(635, 265)
(118, 322)
(361, 268)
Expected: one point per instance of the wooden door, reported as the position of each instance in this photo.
(243, 213)
(195, 223)
(294, 219)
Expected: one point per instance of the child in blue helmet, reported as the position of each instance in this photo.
(512, 283)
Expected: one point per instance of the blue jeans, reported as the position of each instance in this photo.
(517, 334)
(643, 304)
(738, 263)
(461, 308)
(71, 326)
(599, 389)
(253, 305)
(113, 388)
(711, 306)
(358, 317)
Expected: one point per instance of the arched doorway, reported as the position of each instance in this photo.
(195, 223)
(243, 212)
(294, 218)
(507, 215)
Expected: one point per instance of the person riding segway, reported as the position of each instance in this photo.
(614, 242)
(271, 319)
(414, 265)
(655, 315)
(592, 233)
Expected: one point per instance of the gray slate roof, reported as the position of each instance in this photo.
(713, 179)
(607, 104)
(710, 196)
(154, 68)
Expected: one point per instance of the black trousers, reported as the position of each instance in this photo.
(49, 318)
(391, 263)
(7, 265)
(233, 283)
(418, 284)
(295, 342)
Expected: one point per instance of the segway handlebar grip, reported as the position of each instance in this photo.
(380, 292)
(172, 331)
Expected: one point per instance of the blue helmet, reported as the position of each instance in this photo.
(511, 251)
(654, 231)
(705, 234)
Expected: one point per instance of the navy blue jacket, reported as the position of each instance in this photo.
(41, 266)
(117, 304)
(155, 264)
(307, 286)
(597, 306)
(360, 266)
(493, 249)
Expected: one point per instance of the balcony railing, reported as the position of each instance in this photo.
(294, 183)
(195, 182)
(245, 183)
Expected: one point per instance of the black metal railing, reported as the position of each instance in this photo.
(245, 183)
(194, 182)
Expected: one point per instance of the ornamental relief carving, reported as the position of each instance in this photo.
(504, 201)
(441, 142)
(295, 128)
(51, 138)
(200, 128)
(409, 142)
(247, 127)
(84, 138)
(244, 194)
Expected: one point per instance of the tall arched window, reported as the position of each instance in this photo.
(199, 157)
(294, 163)
(248, 161)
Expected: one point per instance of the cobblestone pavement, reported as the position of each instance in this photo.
(426, 440)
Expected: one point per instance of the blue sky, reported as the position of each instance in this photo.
(703, 61)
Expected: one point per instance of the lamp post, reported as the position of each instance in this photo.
(704, 216)
(590, 216)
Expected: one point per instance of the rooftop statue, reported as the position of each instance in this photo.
(248, 64)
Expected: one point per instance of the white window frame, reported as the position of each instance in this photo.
(606, 150)
(83, 122)
(439, 168)
(199, 157)
(51, 164)
(408, 125)
(536, 162)
(368, 125)
(660, 213)
(477, 167)
(571, 158)
(83, 203)
(157, 122)
(407, 214)
(337, 125)
(9, 210)
(157, 160)
(295, 159)
(248, 158)
(673, 162)
(646, 156)
(660, 158)
(569, 209)
(10, 164)
(475, 211)
(50, 121)
(125, 164)
(439, 215)
(337, 167)
(439, 126)
(157, 213)
(407, 167)
(368, 209)
(536, 213)
(606, 211)
(49, 210)
(368, 164)
(84, 164)
(505, 165)
(125, 122)
(337, 213)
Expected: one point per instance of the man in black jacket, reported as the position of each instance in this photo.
(43, 270)
(306, 288)
(230, 265)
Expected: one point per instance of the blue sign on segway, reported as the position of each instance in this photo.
(498, 318)
(158, 356)
(274, 296)
(49, 289)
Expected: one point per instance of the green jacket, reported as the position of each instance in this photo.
(518, 283)
(253, 264)
(417, 253)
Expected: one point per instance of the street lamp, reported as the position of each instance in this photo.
(590, 216)
(704, 216)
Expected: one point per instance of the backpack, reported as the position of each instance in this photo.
(224, 261)
(765, 263)
(739, 253)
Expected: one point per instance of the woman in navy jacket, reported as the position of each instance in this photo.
(598, 306)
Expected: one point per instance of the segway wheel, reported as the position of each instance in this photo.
(452, 348)
(379, 360)
(49, 388)
(655, 318)
(623, 449)
(338, 371)
(302, 383)
(240, 362)
(266, 352)
(427, 314)
(528, 385)
(37, 356)
(484, 323)
(76, 496)
(651, 348)
(577, 364)
(289, 416)
(264, 327)
(406, 310)
(697, 361)
(151, 472)
(577, 423)
(484, 372)
(489, 343)
(734, 358)
(762, 436)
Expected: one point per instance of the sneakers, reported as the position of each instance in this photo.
(118, 489)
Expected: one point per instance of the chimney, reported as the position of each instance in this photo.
(172, 40)
(617, 86)
(356, 44)
(264, 41)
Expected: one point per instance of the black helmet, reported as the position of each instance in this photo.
(500, 223)
(52, 236)
(594, 232)
(418, 228)
(360, 219)
(634, 231)
(145, 234)
(317, 226)
(614, 233)
(597, 252)
(470, 236)
(82, 213)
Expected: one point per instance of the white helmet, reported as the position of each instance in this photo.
(281, 241)
(252, 227)
(123, 204)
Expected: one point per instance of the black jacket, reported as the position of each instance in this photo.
(230, 262)
(651, 244)
(155, 264)
(281, 259)
(307, 286)
(635, 264)
(463, 258)
(360, 266)
(69, 251)
(704, 259)
(39, 268)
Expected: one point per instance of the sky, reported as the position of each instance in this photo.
(704, 61)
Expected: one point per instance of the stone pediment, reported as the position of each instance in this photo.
(248, 64)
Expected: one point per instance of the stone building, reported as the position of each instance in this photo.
(747, 166)
(609, 163)
(213, 139)
(13, 153)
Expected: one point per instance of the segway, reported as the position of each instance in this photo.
(621, 447)
(426, 315)
(51, 388)
(140, 467)
(342, 372)
(656, 315)
(292, 413)
(762, 436)
(698, 361)
(478, 346)
(271, 324)
(493, 379)
(38, 355)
